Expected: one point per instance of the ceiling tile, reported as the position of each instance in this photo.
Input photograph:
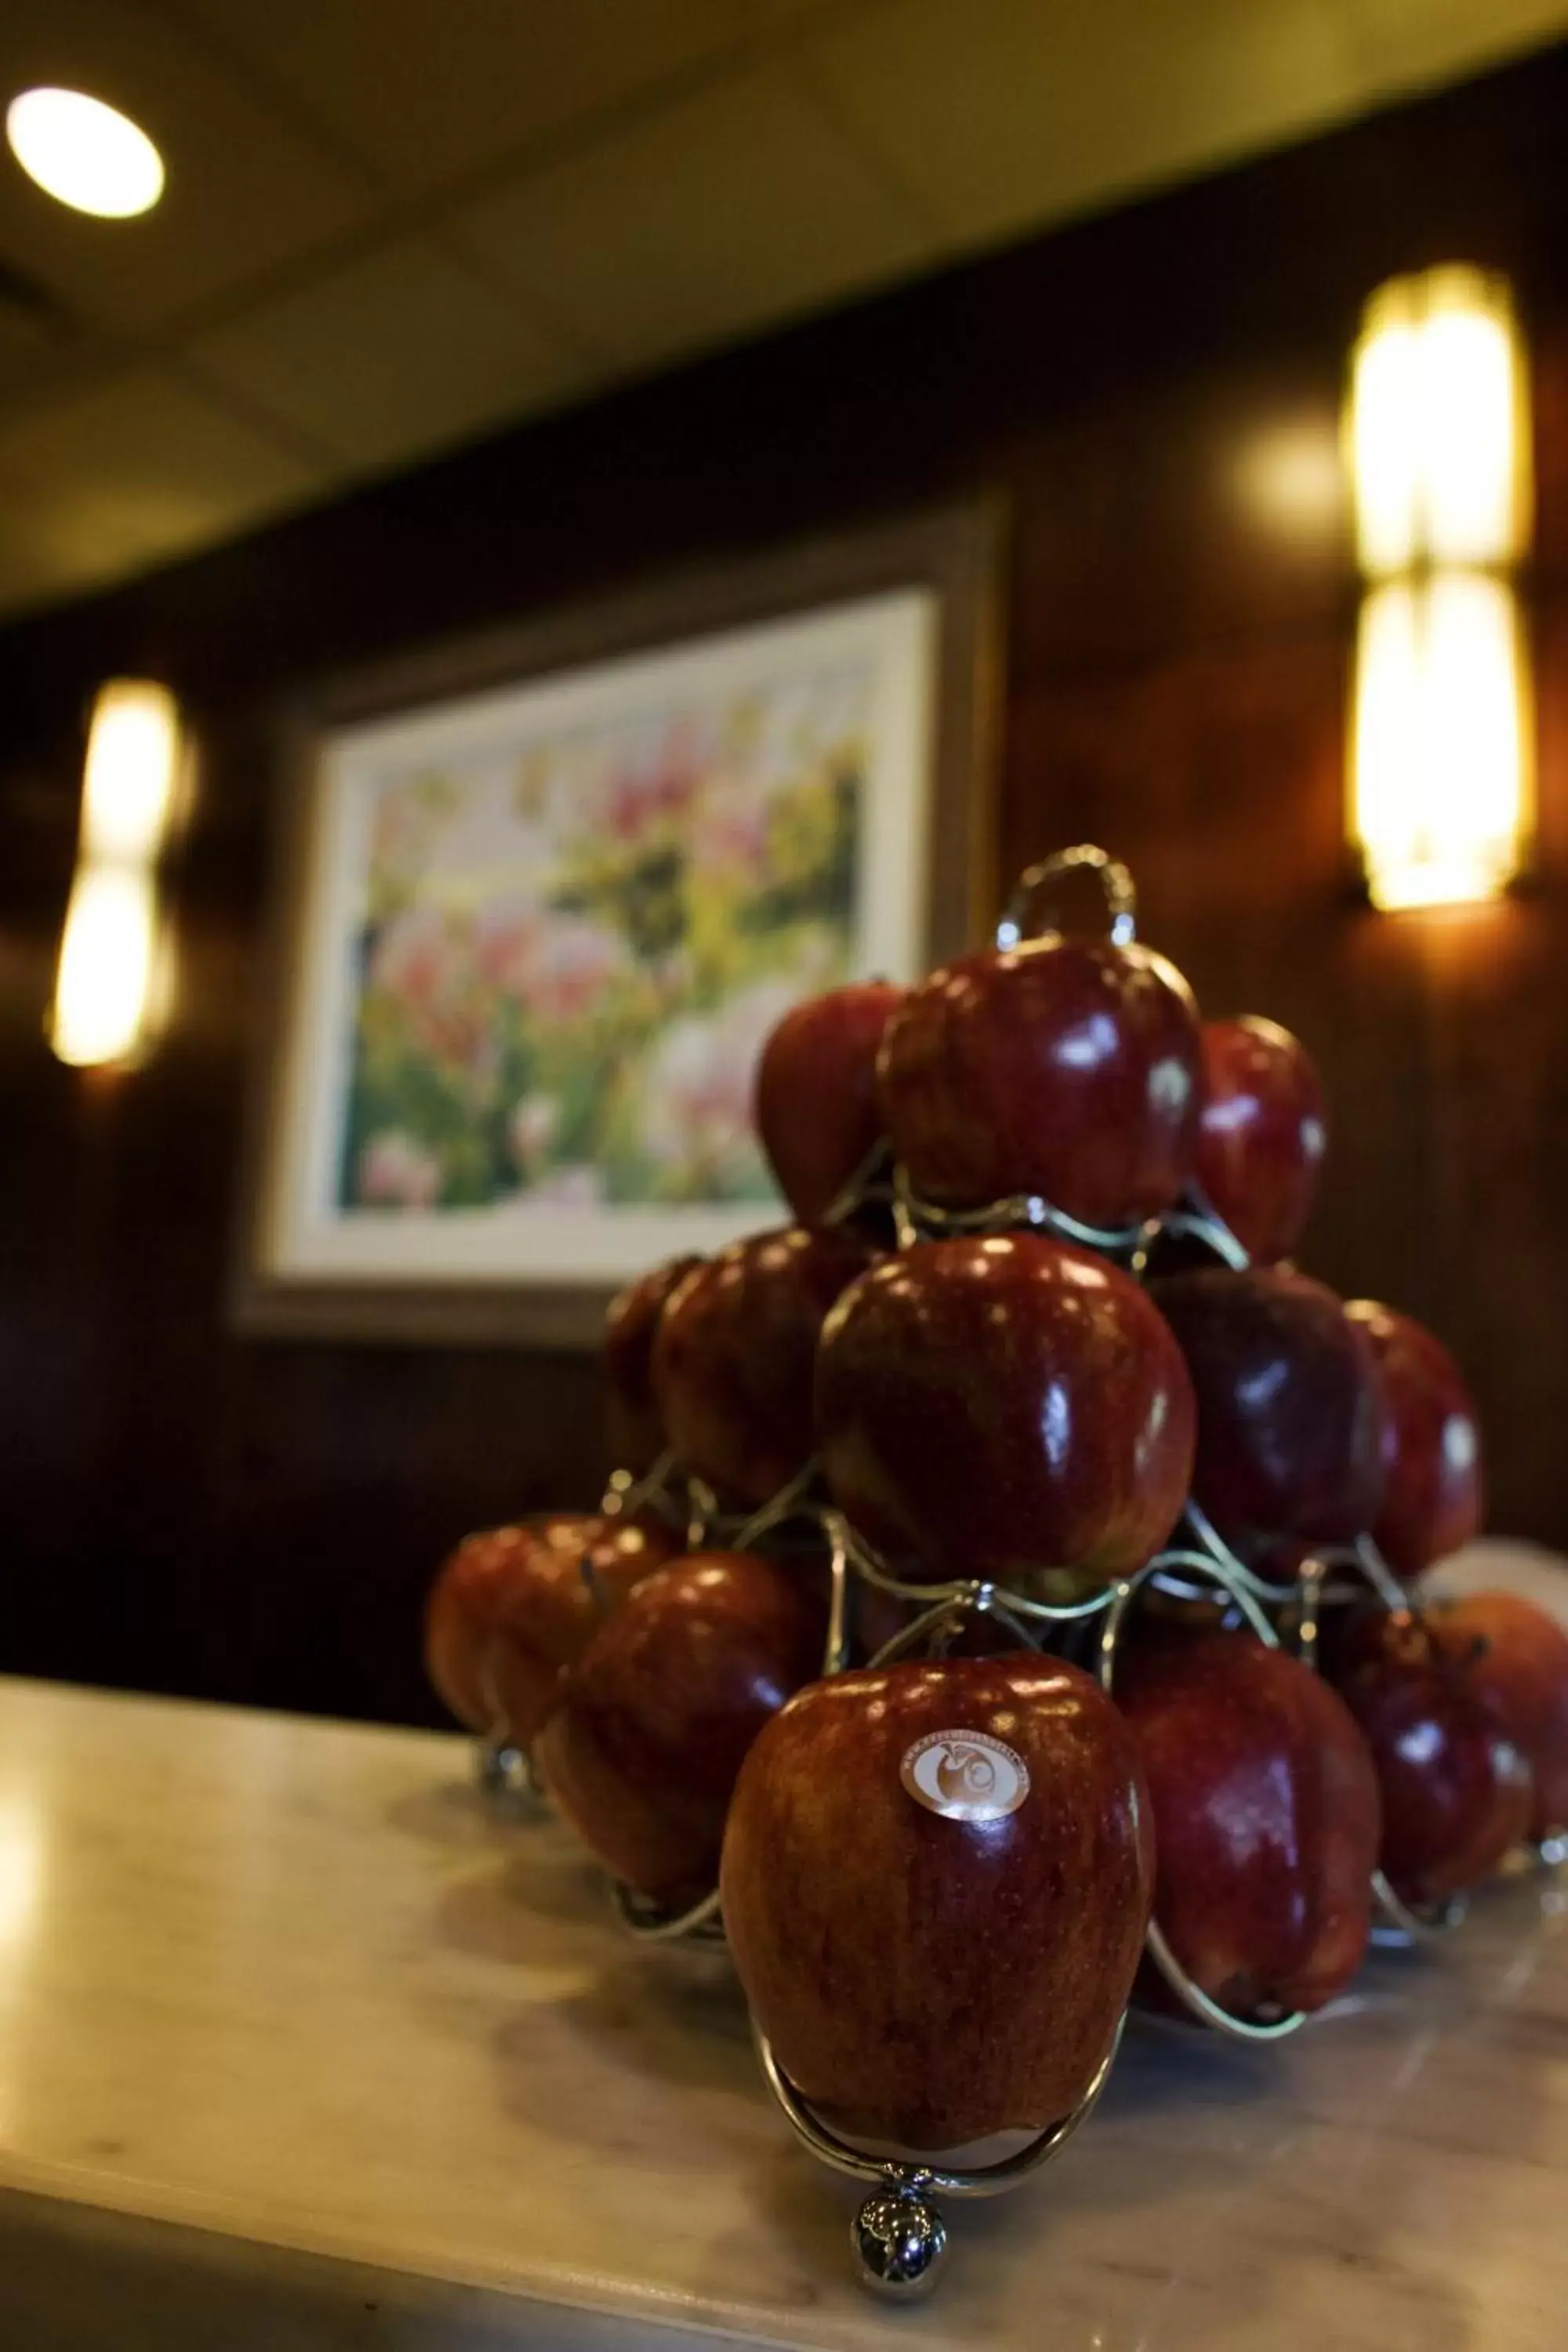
(431, 89)
(1001, 113)
(1404, 42)
(738, 207)
(391, 358)
(246, 192)
(136, 473)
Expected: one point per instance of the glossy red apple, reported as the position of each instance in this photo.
(1291, 1410)
(459, 1616)
(576, 1573)
(1456, 1791)
(511, 1605)
(1517, 1658)
(995, 1407)
(817, 1093)
(650, 1728)
(634, 1429)
(1058, 1068)
(1261, 1136)
(1432, 1498)
(936, 1884)
(1267, 1818)
(732, 1362)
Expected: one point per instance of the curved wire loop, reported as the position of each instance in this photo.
(652, 1923)
(873, 1570)
(894, 2172)
(1115, 880)
(917, 1219)
(1195, 1219)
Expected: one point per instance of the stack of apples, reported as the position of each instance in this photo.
(1034, 1323)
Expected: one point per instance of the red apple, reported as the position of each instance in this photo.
(995, 1407)
(459, 1617)
(936, 1884)
(511, 1604)
(1432, 1443)
(633, 1426)
(1456, 1791)
(817, 1093)
(1517, 1658)
(1261, 1137)
(1054, 1068)
(1291, 1410)
(650, 1726)
(732, 1362)
(1267, 1818)
(576, 1572)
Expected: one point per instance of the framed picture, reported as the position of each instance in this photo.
(547, 892)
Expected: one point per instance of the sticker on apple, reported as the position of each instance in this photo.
(965, 1776)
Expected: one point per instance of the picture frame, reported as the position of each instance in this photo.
(505, 1074)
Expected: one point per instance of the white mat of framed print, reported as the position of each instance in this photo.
(543, 931)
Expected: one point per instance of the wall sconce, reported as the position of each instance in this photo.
(1438, 437)
(111, 983)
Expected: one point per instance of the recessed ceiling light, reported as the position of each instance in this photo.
(88, 154)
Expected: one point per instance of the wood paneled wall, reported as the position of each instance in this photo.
(1154, 394)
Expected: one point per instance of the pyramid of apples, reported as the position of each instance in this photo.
(1033, 1333)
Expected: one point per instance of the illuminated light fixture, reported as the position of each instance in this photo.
(84, 153)
(1441, 742)
(1439, 441)
(111, 978)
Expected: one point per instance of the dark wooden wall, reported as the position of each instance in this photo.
(257, 1520)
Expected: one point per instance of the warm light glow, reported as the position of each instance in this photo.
(133, 758)
(86, 154)
(1441, 747)
(1438, 430)
(1440, 449)
(112, 985)
(104, 986)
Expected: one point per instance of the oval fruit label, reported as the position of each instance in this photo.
(965, 1776)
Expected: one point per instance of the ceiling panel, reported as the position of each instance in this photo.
(1403, 42)
(140, 470)
(430, 90)
(740, 206)
(998, 113)
(245, 191)
(392, 357)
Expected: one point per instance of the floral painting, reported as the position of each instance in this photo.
(547, 926)
(573, 951)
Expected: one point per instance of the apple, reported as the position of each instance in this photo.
(510, 1605)
(1261, 1133)
(650, 1728)
(1457, 1792)
(1290, 1411)
(633, 1426)
(1059, 1069)
(576, 1572)
(936, 1883)
(732, 1362)
(1432, 1443)
(1267, 1817)
(817, 1093)
(992, 1407)
(459, 1616)
(1517, 1658)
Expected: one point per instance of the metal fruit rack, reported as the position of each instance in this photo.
(899, 2234)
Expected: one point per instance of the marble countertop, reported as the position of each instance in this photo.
(298, 2049)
